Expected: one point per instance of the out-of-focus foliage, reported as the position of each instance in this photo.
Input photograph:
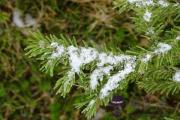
(26, 93)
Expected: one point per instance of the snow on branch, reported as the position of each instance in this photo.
(107, 72)
(105, 63)
(145, 3)
(162, 48)
(176, 76)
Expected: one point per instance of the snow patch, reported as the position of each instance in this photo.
(59, 50)
(20, 22)
(141, 3)
(163, 3)
(114, 80)
(105, 63)
(79, 57)
(98, 74)
(147, 16)
(17, 20)
(178, 38)
(162, 48)
(176, 76)
(74, 60)
(150, 31)
(146, 58)
(105, 59)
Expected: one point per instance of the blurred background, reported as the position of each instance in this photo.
(27, 94)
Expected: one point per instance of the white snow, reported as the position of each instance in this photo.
(101, 70)
(74, 60)
(105, 59)
(176, 76)
(17, 20)
(178, 38)
(149, 2)
(146, 58)
(88, 55)
(20, 22)
(114, 80)
(98, 74)
(105, 64)
(59, 50)
(132, 1)
(144, 3)
(150, 31)
(79, 57)
(141, 3)
(163, 3)
(162, 48)
(147, 16)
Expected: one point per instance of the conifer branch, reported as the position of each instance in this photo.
(102, 74)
